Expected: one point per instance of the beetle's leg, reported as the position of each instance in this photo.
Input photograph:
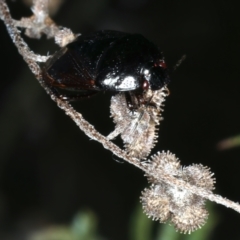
(132, 101)
(143, 101)
(135, 100)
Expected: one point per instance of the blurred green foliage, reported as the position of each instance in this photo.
(83, 227)
(229, 143)
(143, 228)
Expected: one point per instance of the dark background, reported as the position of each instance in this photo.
(49, 169)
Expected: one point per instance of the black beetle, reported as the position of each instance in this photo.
(106, 61)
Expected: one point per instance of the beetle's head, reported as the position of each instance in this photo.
(155, 75)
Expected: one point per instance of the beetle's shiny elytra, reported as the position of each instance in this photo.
(106, 61)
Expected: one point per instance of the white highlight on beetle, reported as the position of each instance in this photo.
(127, 83)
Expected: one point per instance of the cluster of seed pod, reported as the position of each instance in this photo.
(165, 202)
(139, 127)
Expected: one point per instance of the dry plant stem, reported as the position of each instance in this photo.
(40, 6)
(14, 33)
(40, 10)
(87, 128)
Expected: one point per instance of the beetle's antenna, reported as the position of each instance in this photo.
(179, 62)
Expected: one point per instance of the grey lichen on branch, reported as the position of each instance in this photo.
(176, 194)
